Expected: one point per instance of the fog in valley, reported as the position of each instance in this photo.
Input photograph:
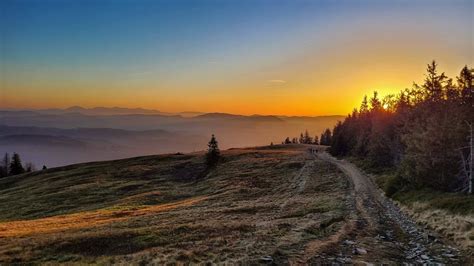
(57, 137)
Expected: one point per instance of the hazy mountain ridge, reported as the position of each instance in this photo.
(103, 111)
(126, 135)
(73, 118)
(107, 111)
(41, 140)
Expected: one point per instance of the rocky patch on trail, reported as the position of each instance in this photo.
(384, 233)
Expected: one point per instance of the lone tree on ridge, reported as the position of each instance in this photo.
(213, 153)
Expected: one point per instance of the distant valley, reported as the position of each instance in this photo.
(56, 137)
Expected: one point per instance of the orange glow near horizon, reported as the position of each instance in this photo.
(297, 63)
(331, 97)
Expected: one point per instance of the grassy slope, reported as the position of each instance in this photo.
(95, 185)
(169, 207)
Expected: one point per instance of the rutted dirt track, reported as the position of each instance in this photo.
(382, 232)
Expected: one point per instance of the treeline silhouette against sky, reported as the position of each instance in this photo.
(421, 133)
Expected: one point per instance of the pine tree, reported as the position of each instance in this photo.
(326, 137)
(434, 83)
(287, 140)
(16, 167)
(316, 140)
(465, 84)
(364, 107)
(307, 138)
(213, 153)
(375, 103)
(301, 138)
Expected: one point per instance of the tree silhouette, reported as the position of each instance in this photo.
(434, 82)
(422, 132)
(465, 84)
(307, 139)
(16, 167)
(213, 153)
(325, 137)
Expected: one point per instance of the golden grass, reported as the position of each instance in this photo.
(458, 228)
(256, 202)
(85, 219)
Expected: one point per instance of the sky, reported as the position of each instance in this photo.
(294, 57)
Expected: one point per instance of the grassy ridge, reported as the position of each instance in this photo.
(92, 186)
(260, 201)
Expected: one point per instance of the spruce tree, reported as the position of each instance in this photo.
(213, 153)
(16, 167)
(307, 138)
(434, 83)
(465, 82)
(326, 137)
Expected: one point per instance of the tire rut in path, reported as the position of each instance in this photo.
(387, 234)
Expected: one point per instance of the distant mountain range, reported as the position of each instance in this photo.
(141, 111)
(106, 111)
(63, 136)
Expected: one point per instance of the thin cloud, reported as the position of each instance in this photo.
(143, 73)
(276, 81)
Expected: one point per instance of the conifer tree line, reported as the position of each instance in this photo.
(326, 137)
(422, 133)
(304, 138)
(13, 166)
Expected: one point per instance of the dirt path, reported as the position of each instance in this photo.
(383, 233)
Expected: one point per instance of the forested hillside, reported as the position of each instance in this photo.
(421, 134)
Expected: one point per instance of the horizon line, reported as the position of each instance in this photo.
(159, 112)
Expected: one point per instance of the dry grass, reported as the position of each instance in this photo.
(457, 227)
(272, 201)
(451, 215)
(85, 219)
